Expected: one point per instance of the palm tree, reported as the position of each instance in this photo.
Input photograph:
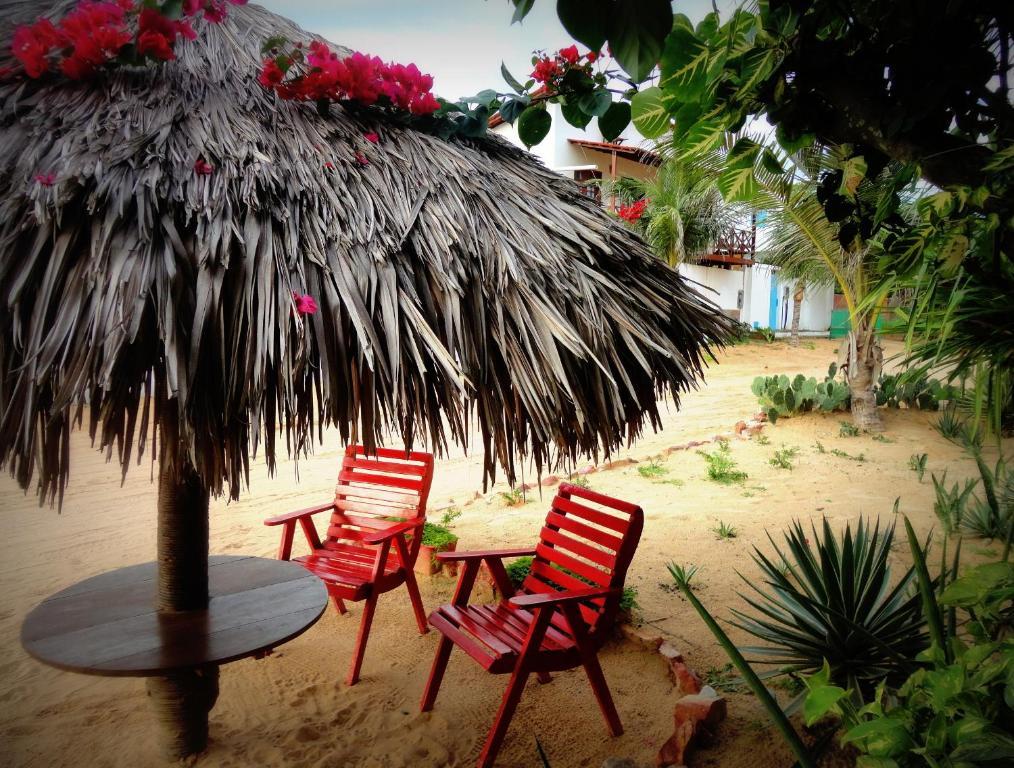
(684, 213)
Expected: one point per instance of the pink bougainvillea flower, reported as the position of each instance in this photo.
(591, 56)
(271, 74)
(372, 137)
(203, 168)
(32, 44)
(570, 54)
(305, 305)
(46, 179)
(362, 159)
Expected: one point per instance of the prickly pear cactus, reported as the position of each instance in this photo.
(780, 396)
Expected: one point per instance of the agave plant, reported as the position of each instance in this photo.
(835, 602)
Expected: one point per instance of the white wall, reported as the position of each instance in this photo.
(721, 286)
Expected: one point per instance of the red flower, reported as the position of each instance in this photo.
(570, 54)
(203, 168)
(46, 179)
(634, 211)
(155, 45)
(271, 74)
(591, 56)
(31, 46)
(372, 137)
(362, 159)
(305, 305)
(545, 70)
(426, 104)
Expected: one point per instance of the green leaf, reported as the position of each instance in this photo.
(533, 125)
(821, 701)
(685, 64)
(574, 115)
(637, 31)
(882, 737)
(703, 136)
(615, 120)
(585, 20)
(771, 163)
(737, 183)
(649, 114)
(521, 9)
(853, 172)
(596, 102)
(509, 79)
(512, 108)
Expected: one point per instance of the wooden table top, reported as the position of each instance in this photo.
(108, 625)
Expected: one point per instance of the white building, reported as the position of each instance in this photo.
(744, 289)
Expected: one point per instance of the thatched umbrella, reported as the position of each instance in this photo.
(457, 280)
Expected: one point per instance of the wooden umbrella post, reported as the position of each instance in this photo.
(182, 699)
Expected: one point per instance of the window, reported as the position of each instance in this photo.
(592, 190)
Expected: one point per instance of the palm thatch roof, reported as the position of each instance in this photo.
(456, 279)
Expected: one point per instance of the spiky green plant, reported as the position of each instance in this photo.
(917, 463)
(991, 516)
(951, 502)
(837, 603)
(652, 470)
(725, 530)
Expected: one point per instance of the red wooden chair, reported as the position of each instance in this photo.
(380, 501)
(561, 615)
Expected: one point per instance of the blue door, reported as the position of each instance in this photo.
(773, 311)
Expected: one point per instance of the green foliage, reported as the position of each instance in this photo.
(764, 334)
(992, 515)
(819, 446)
(515, 497)
(721, 465)
(957, 708)
(581, 481)
(913, 391)
(783, 457)
(951, 425)
(518, 570)
(763, 439)
(836, 603)
(881, 438)
(652, 470)
(917, 463)
(779, 396)
(724, 530)
(859, 457)
(951, 503)
(437, 536)
(847, 429)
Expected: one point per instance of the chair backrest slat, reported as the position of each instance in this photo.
(588, 540)
(378, 491)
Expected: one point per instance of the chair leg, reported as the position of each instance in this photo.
(602, 695)
(339, 604)
(544, 677)
(511, 697)
(417, 606)
(364, 633)
(436, 674)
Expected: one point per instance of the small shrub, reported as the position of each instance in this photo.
(920, 392)
(847, 429)
(819, 446)
(652, 470)
(951, 502)
(724, 530)
(950, 425)
(763, 439)
(723, 678)
(991, 516)
(917, 463)
(515, 497)
(740, 333)
(860, 457)
(780, 396)
(764, 334)
(517, 570)
(880, 439)
(721, 465)
(783, 457)
(581, 481)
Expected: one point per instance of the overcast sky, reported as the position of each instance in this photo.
(460, 42)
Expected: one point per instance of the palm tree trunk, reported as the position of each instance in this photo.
(865, 359)
(182, 699)
(797, 305)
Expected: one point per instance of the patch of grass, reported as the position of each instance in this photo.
(847, 429)
(917, 463)
(515, 497)
(860, 457)
(789, 683)
(783, 457)
(724, 531)
(581, 481)
(652, 470)
(763, 439)
(882, 438)
(723, 678)
(721, 465)
(673, 481)
(819, 446)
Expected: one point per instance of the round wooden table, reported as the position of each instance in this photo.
(108, 624)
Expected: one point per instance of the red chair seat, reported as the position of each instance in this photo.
(494, 634)
(348, 566)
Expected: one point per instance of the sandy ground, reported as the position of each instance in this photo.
(293, 709)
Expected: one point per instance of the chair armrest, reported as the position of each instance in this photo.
(497, 554)
(279, 519)
(557, 598)
(390, 533)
